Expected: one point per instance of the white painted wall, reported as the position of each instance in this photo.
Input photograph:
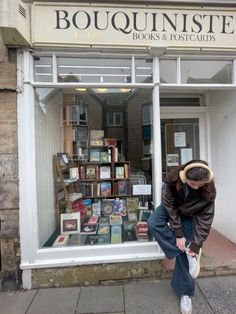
(48, 142)
(222, 105)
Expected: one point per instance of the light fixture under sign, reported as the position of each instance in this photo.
(101, 90)
(81, 89)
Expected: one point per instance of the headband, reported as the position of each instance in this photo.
(182, 173)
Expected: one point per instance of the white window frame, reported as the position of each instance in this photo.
(31, 255)
(114, 118)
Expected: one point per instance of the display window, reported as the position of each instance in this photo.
(90, 152)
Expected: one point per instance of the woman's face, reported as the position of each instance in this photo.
(195, 185)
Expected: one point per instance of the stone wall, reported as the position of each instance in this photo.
(9, 196)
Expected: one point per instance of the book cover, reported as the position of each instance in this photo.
(104, 239)
(129, 233)
(91, 239)
(116, 236)
(123, 187)
(61, 240)
(105, 172)
(104, 221)
(96, 208)
(77, 239)
(103, 229)
(119, 172)
(95, 154)
(90, 172)
(88, 229)
(132, 204)
(96, 137)
(105, 189)
(104, 157)
(115, 220)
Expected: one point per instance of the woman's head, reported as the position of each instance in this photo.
(196, 174)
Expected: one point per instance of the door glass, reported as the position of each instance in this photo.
(180, 142)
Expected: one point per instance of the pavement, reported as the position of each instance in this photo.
(215, 291)
(213, 295)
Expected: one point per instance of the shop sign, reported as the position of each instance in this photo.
(73, 25)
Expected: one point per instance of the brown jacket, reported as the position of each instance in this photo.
(188, 202)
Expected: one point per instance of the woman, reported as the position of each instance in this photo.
(182, 223)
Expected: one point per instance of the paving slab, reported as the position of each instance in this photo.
(220, 292)
(55, 301)
(16, 302)
(151, 297)
(102, 299)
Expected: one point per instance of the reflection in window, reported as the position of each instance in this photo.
(206, 72)
(43, 69)
(143, 70)
(99, 70)
(168, 71)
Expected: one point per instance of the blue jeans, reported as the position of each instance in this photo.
(182, 282)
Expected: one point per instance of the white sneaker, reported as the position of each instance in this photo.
(194, 264)
(185, 304)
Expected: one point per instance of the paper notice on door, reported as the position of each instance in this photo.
(180, 139)
(172, 160)
(186, 155)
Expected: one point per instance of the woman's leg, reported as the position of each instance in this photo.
(182, 282)
(163, 234)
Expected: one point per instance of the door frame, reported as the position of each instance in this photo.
(200, 113)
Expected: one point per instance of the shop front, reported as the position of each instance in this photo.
(110, 99)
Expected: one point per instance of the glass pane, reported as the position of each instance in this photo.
(180, 142)
(168, 71)
(143, 70)
(82, 174)
(43, 69)
(206, 72)
(93, 70)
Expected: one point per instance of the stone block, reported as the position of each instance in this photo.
(9, 195)
(9, 223)
(9, 260)
(8, 138)
(8, 168)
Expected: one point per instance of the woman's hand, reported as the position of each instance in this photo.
(180, 243)
(191, 253)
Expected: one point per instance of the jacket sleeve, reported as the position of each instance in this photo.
(203, 222)
(168, 199)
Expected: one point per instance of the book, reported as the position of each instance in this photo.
(115, 220)
(132, 204)
(95, 154)
(90, 172)
(77, 239)
(96, 137)
(105, 172)
(88, 229)
(103, 229)
(116, 234)
(96, 208)
(119, 172)
(91, 239)
(105, 189)
(123, 187)
(129, 233)
(61, 240)
(104, 239)
(104, 221)
(74, 173)
(90, 221)
(105, 157)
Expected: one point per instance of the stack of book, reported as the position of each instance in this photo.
(142, 231)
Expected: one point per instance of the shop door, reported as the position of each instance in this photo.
(180, 141)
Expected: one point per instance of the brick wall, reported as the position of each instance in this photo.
(9, 197)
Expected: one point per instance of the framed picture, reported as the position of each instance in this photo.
(70, 223)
